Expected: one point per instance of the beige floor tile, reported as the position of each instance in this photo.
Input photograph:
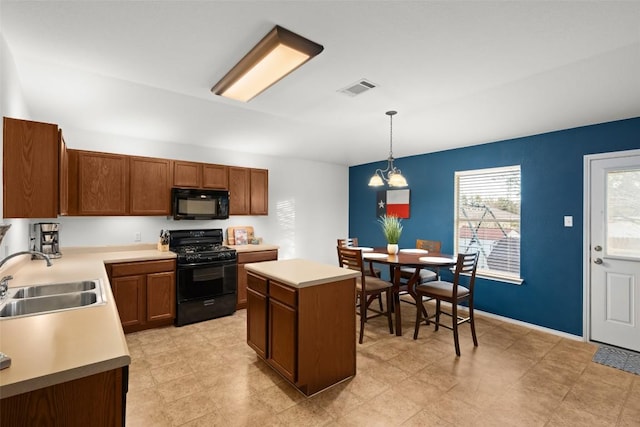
(205, 375)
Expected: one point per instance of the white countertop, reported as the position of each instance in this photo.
(300, 273)
(57, 347)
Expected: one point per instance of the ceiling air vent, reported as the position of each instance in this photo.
(357, 88)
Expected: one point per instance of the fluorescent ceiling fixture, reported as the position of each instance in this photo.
(276, 55)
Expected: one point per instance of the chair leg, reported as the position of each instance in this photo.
(454, 318)
(418, 317)
(380, 300)
(389, 296)
(472, 323)
(437, 314)
(363, 317)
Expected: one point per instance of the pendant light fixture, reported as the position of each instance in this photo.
(391, 175)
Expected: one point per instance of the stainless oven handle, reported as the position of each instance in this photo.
(209, 302)
(206, 265)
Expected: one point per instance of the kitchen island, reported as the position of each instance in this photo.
(301, 321)
(70, 363)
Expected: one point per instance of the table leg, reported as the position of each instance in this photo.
(396, 299)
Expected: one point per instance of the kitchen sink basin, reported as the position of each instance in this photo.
(49, 298)
(57, 288)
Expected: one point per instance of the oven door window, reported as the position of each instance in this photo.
(206, 281)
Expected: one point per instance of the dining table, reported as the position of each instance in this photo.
(413, 258)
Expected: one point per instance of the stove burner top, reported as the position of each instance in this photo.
(200, 246)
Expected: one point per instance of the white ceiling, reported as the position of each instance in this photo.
(458, 73)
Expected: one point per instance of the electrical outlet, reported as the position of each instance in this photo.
(137, 237)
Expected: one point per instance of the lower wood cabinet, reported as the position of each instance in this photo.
(245, 258)
(97, 400)
(145, 293)
(306, 334)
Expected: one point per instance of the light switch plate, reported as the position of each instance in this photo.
(568, 221)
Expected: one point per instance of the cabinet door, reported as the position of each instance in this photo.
(63, 179)
(259, 192)
(215, 176)
(150, 187)
(242, 287)
(239, 191)
(282, 338)
(102, 183)
(186, 174)
(129, 294)
(161, 296)
(30, 159)
(257, 322)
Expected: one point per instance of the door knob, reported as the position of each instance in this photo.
(598, 248)
(598, 260)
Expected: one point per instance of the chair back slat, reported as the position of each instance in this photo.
(349, 242)
(350, 258)
(467, 265)
(429, 245)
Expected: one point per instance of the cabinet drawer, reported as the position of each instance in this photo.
(283, 293)
(258, 256)
(145, 267)
(256, 283)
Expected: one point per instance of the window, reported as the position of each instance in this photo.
(488, 220)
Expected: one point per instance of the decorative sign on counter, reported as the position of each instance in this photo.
(241, 236)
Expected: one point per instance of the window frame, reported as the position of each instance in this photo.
(496, 275)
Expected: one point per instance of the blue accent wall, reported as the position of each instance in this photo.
(552, 186)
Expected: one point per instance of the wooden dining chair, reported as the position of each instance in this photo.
(368, 288)
(453, 293)
(426, 275)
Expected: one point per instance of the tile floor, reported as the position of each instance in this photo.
(205, 375)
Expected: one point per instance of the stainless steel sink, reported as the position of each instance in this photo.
(55, 289)
(49, 298)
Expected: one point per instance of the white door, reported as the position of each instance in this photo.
(614, 249)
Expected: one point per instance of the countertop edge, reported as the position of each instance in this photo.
(336, 273)
(60, 377)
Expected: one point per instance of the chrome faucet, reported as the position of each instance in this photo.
(4, 282)
(34, 253)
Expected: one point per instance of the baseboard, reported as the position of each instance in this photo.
(530, 325)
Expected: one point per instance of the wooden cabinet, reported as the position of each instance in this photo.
(200, 175)
(215, 177)
(239, 191)
(97, 400)
(98, 183)
(244, 258)
(145, 293)
(63, 175)
(150, 188)
(187, 174)
(306, 334)
(248, 191)
(30, 169)
(283, 325)
(257, 315)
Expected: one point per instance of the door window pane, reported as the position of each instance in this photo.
(623, 213)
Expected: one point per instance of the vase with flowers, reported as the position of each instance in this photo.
(392, 229)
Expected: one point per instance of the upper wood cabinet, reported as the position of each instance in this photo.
(215, 177)
(63, 176)
(30, 169)
(248, 191)
(150, 188)
(200, 175)
(259, 192)
(239, 191)
(98, 183)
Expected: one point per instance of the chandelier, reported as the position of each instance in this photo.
(391, 175)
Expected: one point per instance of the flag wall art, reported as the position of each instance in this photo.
(393, 202)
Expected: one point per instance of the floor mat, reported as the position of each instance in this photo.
(618, 358)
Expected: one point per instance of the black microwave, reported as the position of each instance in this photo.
(191, 203)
